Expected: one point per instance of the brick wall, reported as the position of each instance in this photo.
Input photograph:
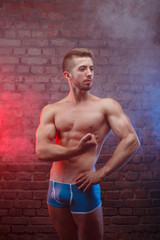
(34, 35)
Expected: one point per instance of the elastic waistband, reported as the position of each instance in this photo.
(61, 182)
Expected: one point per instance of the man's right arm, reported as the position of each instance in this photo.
(47, 150)
(46, 132)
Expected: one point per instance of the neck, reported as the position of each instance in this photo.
(78, 96)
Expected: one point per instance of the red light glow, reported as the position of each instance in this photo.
(13, 126)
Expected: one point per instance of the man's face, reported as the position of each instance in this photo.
(82, 72)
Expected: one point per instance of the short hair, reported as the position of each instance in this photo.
(76, 52)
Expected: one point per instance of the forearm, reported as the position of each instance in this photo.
(54, 152)
(124, 151)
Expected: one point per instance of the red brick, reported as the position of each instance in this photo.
(9, 42)
(137, 167)
(18, 229)
(43, 5)
(24, 33)
(68, 6)
(126, 229)
(107, 186)
(48, 51)
(8, 68)
(40, 176)
(151, 184)
(155, 166)
(40, 220)
(26, 14)
(27, 204)
(15, 212)
(153, 211)
(34, 60)
(3, 167)
(125, 220)
(22, 69)
(151, 219)
(2, 185)
(10, 34)
(51, 34)
(155, 194)
(5, 51)
(125, 211)
(3, 212)
(29, 212)
(41, 228)
(34, 51)
(52, 69)
(113, 203)
(9, 195)
(19, 51)
(42, 212)
(40, 195)
(43, 167)
(9, 176)
(4, 228)
(13, 6)
(128, 185)
(146, 176)
(39, 186)
(125, 194)
(140, 194)
(38, 34)
(38, 87)
(25, 195)
(15, 220)
(156, 175)
(132, 176)
(138, 203)
(9, 60)
(112, 195)
(110, 211)
(62, 42)
(9, 87)
(37, 69)
(21, 167)
(33, 42)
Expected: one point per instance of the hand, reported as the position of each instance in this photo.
(87, 142)
(89, 178)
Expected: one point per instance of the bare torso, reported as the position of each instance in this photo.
(72, 122)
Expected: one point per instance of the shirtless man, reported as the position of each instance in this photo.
(80, 123)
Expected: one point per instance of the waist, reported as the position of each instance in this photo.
(67, 173)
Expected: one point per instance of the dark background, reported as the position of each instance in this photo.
(125, 38)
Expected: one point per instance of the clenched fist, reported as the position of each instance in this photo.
(87, 142)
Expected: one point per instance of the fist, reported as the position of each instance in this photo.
(88, 142)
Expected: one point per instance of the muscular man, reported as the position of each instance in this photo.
(80, 123)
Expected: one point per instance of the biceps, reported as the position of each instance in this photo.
(121, 126)
(45, 133)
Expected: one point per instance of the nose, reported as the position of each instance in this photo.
(89, 72)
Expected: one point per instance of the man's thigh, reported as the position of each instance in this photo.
(90, 225)
(63, 223)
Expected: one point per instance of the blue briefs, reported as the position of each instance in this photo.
(64, 195)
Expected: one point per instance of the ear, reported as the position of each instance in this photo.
(67, 75)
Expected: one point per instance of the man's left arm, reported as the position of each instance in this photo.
(129, 143)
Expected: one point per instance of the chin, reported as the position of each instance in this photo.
(85, 89)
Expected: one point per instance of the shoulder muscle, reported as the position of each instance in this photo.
(117, 119)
